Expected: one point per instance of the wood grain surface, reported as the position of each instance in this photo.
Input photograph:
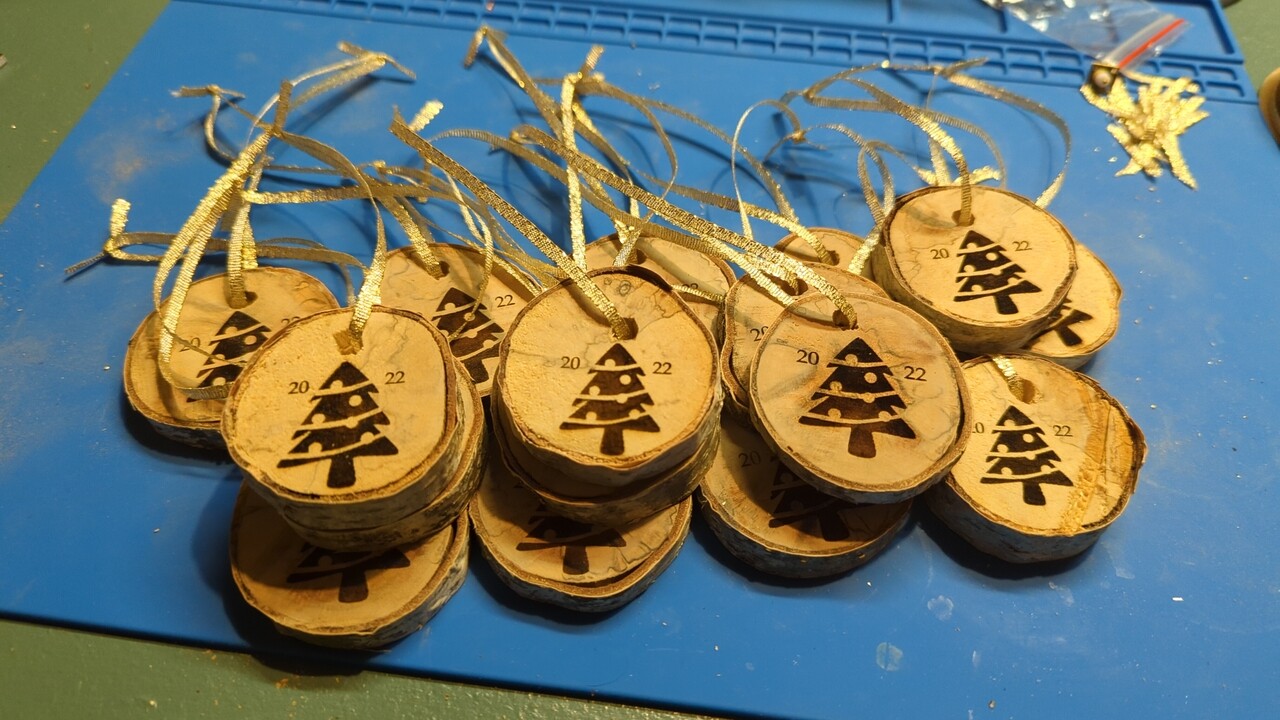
(348, 440)
(1049, 465)
(990, 286)
(777, 523)
(1086, 320)
(749, 311)
(843, 245)
(580, 566)
(678, 265)
(342, 599)
(472, 309)
(222, 337)
(870, 414)
(600, 409)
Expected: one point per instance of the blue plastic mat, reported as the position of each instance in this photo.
(1176, 612)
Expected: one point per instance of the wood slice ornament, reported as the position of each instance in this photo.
(777, 523)
(749, 311)
(337, 437)
(990, 286)
(225, 336)
(874, 413)
(591, 503)
(603, 410)
(678, 265)
(842, 245)
(1086, 320)
(1052, 462)
(472, 312)
(439, 512)
(346, 599)
(582, 566)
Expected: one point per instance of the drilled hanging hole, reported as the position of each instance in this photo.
(955, 217)
(796, 289)
(249, 298)
(1024, 390)
(842, 321)
(629, 330)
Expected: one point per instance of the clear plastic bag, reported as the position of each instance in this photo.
(1117, 33)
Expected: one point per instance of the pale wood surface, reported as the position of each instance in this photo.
(450, 303)
(506, 515)
(1087, 320)
(172, 414)
(563, 373)
(440, 511)
(749, 311)
(1074, 443)
(402, 371)
(677, 265)
(871, 414)
(277, 297)
(381, 596)
(224, 336)
(776, 522)
(736, 397)
(1021, 253)
(593, 503)
(843, 245)
(529, 536)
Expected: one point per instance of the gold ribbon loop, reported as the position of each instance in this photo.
(622, 329)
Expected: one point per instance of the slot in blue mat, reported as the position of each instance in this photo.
(1176, 612)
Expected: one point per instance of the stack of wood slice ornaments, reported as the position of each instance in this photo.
(471, 307)
(749, 311)
(1052, 461)
(358, 447)
(989, 286)
(342, 598)
(603, 429)
(680, 266)
(547, 557)
(1086, 320)
(871, 409)
(219, 339)
(764, 514)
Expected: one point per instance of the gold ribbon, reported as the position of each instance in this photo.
(706, 237)
(1148, 128)
(932, 123)
(703, 231)
(1019, 388)
(226, 195)
(622, 329)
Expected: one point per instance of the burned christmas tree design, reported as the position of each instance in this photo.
(342, 426)
(986, 272)
(239, 336)
(1020, 455)
(613, 401)
(798, 503)
(1063, 319)
(473, 335)
(859, 395)
(352, 567)
(552, 531)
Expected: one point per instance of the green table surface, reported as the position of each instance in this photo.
(58, 54)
